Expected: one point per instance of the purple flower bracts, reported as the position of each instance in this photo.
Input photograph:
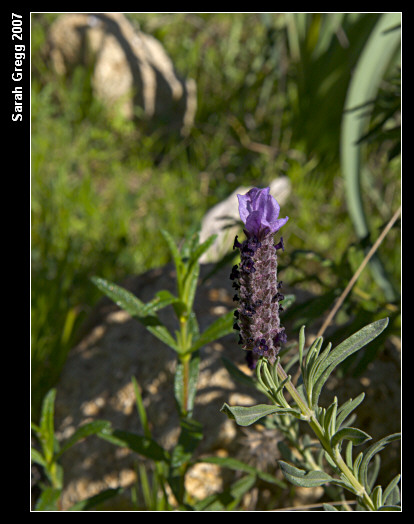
(260, 211)
(255, 278)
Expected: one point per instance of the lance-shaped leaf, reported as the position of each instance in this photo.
(349, 346)
(302, 478)
(219, 328)
(347, 408)
(136, 308)
(91, 428)
(46, 432)
(245, 416)
(355, 435)
(238, 465)
(144, 446)
(371, 451)
(95, 500)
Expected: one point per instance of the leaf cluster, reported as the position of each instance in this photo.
(50, 452)
(331, 425)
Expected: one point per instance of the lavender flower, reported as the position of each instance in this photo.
(255, 279)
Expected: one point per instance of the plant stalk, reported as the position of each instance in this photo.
(310, 417)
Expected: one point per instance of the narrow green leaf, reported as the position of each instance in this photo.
(229, 498)
(391, 490)
(238, 465)
(190, 436)
(376, 496)
(48, 500)
(302, 478)
(92, 502)
(347, 408)
(161, 300)
(245, 416)
(389, 508)
(352, 344)
(191, 240)
(136, 308)
(122, 298)
(189, 285)
(301, 348)
(38, 458)
(329, 507)
(140, 408)
(173, 249)
(348, 454)
(142, 445)
(237, 374)
(219, 328)
(355, 435)
(91, 428)
(288, 301)
(47, 428)
(330, 416)
(371, 451)
(201, 249)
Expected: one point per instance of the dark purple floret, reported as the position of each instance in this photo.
(255, 279)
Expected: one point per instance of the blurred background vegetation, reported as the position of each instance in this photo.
(271, 93)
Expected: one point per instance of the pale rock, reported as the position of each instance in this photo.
(223, 219)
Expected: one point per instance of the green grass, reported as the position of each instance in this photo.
(102, 188)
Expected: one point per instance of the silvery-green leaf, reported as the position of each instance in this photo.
(347, 408)
(349, 346)
(245, 416)
(355, 435)
(371, 451)
(302, 478)
(329, 507)
(391, 493)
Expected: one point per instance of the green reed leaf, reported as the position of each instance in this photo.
(376, 57)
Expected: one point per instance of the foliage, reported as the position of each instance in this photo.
(331, 425)
(272, 89)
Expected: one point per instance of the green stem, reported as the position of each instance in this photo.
(185, 360)
(310, 417)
